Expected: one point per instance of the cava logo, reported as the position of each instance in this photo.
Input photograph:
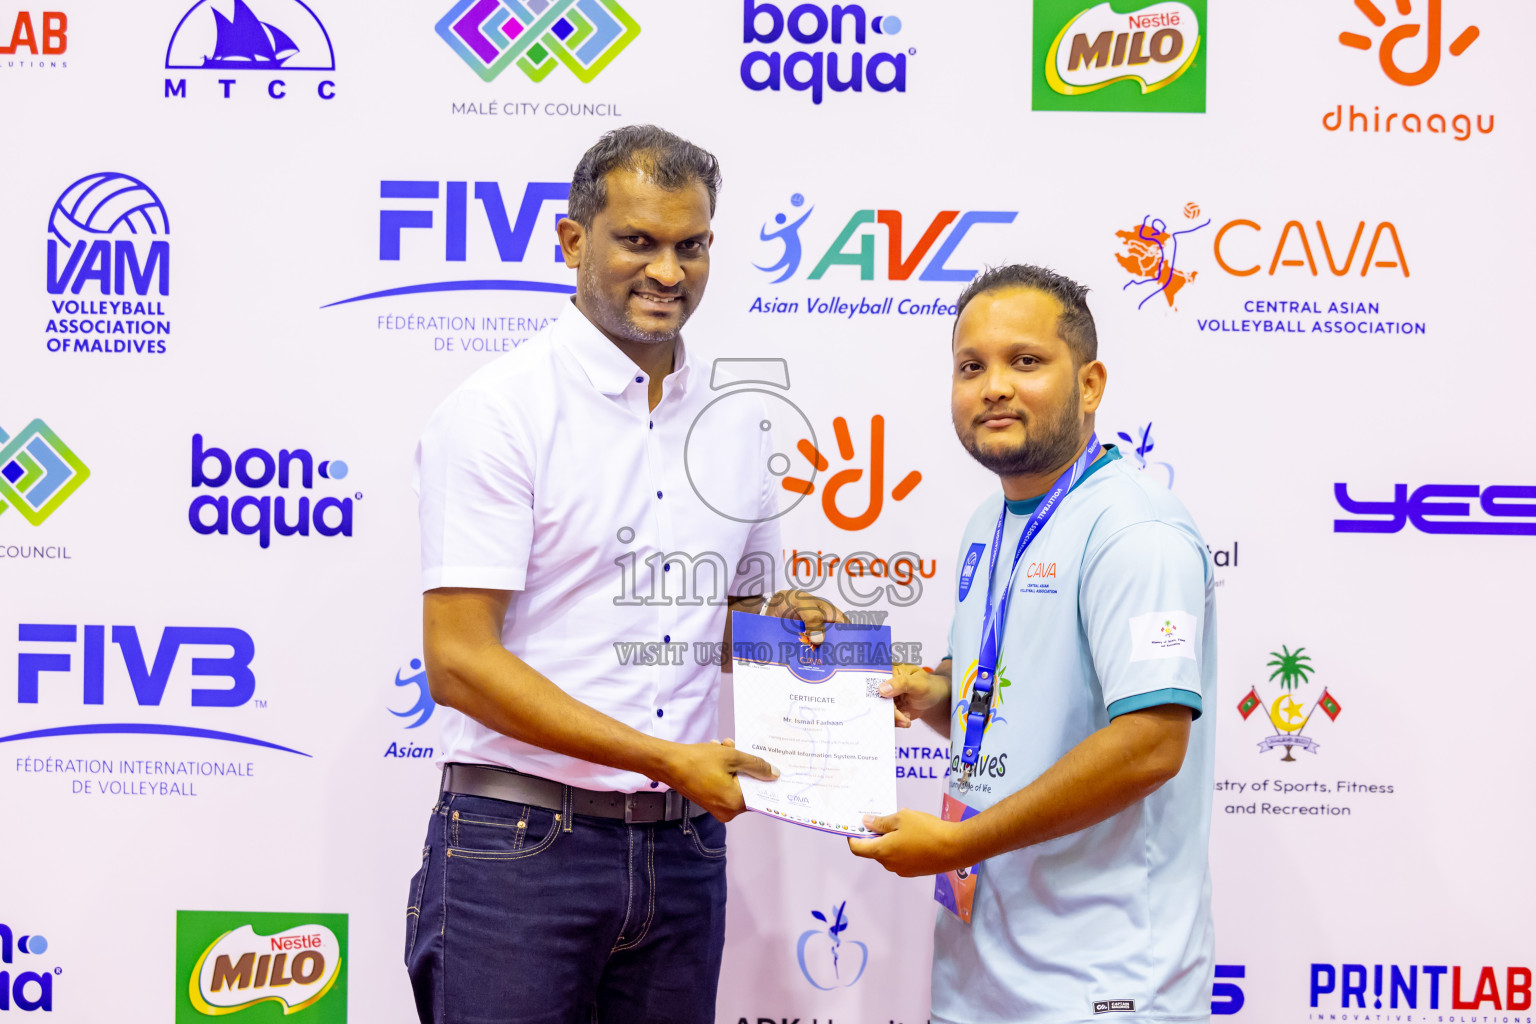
(1147, 58)
(538, 35)
(229, 962)
(37, 472)
(232, 36)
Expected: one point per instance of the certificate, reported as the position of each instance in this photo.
(815, 714)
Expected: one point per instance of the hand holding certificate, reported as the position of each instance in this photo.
(816, 713)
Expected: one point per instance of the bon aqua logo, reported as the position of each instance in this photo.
(538, 35)
(1288, 715)
(1119, 55)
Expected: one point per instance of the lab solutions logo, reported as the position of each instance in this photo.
(108, 268)
(1288, 713)
(1412, 27)
(416, 715)
(232, 963)
(827, 959)
(538, 36)
(434, 231)
(38, 472)
(38, 40)
(852, 256)
(814, 49)
(256, 512)
(245, 46)
(26, 979)
(1125, 55)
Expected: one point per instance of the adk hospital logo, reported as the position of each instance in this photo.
(1125, 55)
(828, 960)
(254, 46)
(538, 36)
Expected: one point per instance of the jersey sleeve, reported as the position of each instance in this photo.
(474, 484)
(756, 569)
(1143, 610)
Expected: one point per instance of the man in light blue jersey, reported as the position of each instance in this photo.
(1085, 628)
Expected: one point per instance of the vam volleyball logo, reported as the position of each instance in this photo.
(538, 35)
(1148, 58)
(230, 962)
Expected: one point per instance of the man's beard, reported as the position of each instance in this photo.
(1048, 445)
(619, 322)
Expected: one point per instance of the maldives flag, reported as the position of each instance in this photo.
(1249, 703)
(1329, 705)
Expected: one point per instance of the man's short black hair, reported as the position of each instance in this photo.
(671, 162)
(1075, 326)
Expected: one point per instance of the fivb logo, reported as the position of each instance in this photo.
(814, 70)
(228, 962)
(25, 990)
(538, 35)
(511, 236)
(259, 515)
(109, 228)
(38, 472)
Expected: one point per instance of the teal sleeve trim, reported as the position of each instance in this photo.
(1188, 698)
(1027, 506)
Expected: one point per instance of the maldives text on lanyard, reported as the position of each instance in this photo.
(992, 633)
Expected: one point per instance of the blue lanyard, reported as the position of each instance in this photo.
(980, 711)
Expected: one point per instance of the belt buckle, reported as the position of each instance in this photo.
(629, 808)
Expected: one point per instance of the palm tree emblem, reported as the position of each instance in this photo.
(1292, 667)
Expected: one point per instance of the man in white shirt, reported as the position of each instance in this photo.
(574, 867)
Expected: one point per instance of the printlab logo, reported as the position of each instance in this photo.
(1150, 254)
(1149, 58)
(790, 430)
(1288, 715)
(264, 36)
(538, 35)
(421, 710)
(828, 960)
(38, 472)
(821, 65)
(230, 962)
(262, 515)
(1509, 510)
(47, 36)
(108, 230)
(26, 990)
(1141, 446)
(1422, 987)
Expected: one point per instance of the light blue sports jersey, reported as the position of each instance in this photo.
(1112, 611)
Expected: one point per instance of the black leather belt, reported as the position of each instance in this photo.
(514, 787)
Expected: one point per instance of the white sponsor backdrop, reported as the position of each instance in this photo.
(276, 208)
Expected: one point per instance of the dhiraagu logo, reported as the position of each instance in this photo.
(1126, 55)
(266, 966)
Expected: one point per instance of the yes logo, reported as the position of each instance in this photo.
(1431, 40)
(827, 960)
(37, 472)
(230, 962)
(1148, 58)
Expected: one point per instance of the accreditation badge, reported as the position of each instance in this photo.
(956, 890)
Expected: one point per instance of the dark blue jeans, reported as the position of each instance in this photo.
(521, 915)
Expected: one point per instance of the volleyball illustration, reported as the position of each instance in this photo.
(107, 203)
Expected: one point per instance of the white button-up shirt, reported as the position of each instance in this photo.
(546, 473)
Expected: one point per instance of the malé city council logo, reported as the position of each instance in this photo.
(536, 35)
(1120, 55)
(37, 472)
(1288, 715)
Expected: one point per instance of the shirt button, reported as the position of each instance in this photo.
(658, 494)
(654, 783)
(639, 380)
(666, 567)
(667, 639)
(653, 424)
(658, 712)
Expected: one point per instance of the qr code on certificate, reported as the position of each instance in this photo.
(871, 686)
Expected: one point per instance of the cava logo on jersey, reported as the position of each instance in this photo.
(1423, 987)
(259, 41)
(1121, 55)
(828, 960)
(538, 35)
(108, 267)
(26, 980)
(36, 34)
(1288, 715)
(853, 247)
(262, 515)
(421, 708)
(426, 224)
(228, 963)
(1501, 510)
(818, 54)
(38, 472)
(1413, 32)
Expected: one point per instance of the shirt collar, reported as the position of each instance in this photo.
(609, 369)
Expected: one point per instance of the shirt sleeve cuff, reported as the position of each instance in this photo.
(477, 579)
(1141, 701)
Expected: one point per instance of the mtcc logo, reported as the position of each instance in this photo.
(1287, 715)
(828, 960)
(538, 35)
(25, 990)
(37, 472)
(230, 36)
(1431, 40)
